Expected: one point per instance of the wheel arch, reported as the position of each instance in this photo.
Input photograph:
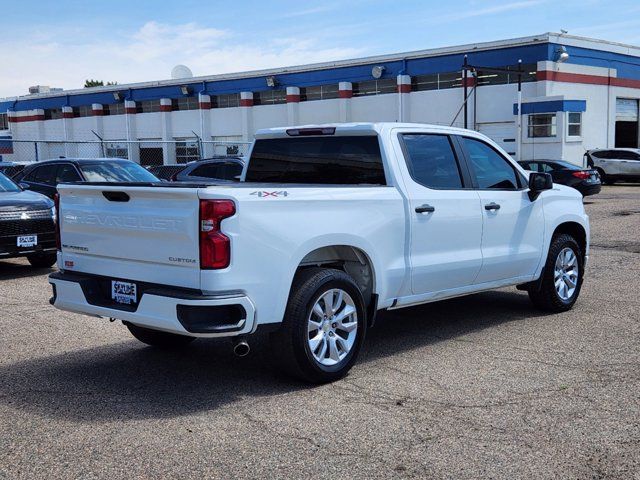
(351, 259)
(576, 230)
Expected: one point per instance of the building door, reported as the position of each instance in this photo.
(503, 133)
(626, 123)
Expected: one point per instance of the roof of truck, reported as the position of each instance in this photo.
(355, 128)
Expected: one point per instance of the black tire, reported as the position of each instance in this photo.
(42, 260)
(290, 344)
(159, 339)
(546, 297)
(604, 178)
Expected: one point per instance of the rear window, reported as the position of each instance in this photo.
(338, 160)
(117, 172)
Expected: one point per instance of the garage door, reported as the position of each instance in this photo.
(503, 133)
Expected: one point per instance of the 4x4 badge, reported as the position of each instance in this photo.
(261, 194)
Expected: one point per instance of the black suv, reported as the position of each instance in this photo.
(44, 177)
(27, 225)
(220, 169)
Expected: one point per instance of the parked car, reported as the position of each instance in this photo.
(328, 225)
(615, 164)
(586, 181)
(166, 172)
(26, 225)
(10, 169)
(44, 177)
(220, 169)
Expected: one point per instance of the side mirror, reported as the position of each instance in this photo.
(539, 182)
(24, 186)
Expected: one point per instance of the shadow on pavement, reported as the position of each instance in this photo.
(10, 270)
(130, 381)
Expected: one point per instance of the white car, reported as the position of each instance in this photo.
(328, 225)
(616, 164)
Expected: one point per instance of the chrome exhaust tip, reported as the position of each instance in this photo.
(241, 347)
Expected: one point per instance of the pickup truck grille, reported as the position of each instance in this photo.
(11, 228)
(25, 215)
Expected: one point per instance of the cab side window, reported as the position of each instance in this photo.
(491, 170)
(67, 173)
(45, 175)
(431, 160)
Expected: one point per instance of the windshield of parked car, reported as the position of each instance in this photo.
(7, 185)
(117, 172)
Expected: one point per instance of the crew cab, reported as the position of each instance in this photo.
(328, 225)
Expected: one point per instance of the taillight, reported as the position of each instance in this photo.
(56, 202)
(582, 175)
(215, 247)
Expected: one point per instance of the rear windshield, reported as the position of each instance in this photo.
(7, 185)
(338, 160)
(117, 172)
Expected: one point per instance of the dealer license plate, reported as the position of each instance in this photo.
(27, 240)
(123, 292)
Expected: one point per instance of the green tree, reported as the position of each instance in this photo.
(96, 83)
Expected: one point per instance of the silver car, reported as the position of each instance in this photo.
(615, 164)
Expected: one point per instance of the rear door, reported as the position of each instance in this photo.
(43, 179)
(444, 214)
(513, 225)
(137, 233)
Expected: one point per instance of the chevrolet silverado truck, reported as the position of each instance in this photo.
(328, 225)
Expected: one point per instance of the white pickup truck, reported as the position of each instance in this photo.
(328, 225)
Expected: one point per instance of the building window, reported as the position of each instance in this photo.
(185, 103)
(116, 150)
(225, 100)
(574, 124)
(269, 97)
(229, 145)
(319, 92)
(375, 87)
(83, 111)
(148, 106)
(52, 113)
(113, 109)
(542, 125)
(187, 150)
(4, 121)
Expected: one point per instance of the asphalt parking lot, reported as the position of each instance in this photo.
(479, 387)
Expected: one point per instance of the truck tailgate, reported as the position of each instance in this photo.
(145, 233)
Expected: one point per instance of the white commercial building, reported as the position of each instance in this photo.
(576, 94)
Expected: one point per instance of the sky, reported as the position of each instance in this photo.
(62, 43)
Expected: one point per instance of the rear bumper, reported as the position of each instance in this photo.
(162, 308)
(587, 190)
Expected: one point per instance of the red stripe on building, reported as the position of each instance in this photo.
(204, 105)
(345, 93)
(98, 113)
(625, 82)
(26, 118)
(67, 114)
(246, 102)
(166, 108)
(571, 77)
(404, 88)
(293, 98)
(471, 81)
(131, 110)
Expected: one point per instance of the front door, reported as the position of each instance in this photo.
(513, 225)
(444, 213)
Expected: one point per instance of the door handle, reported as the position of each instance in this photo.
(425, 209)
(492, 206)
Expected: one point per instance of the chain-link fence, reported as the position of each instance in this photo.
(145, 152)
